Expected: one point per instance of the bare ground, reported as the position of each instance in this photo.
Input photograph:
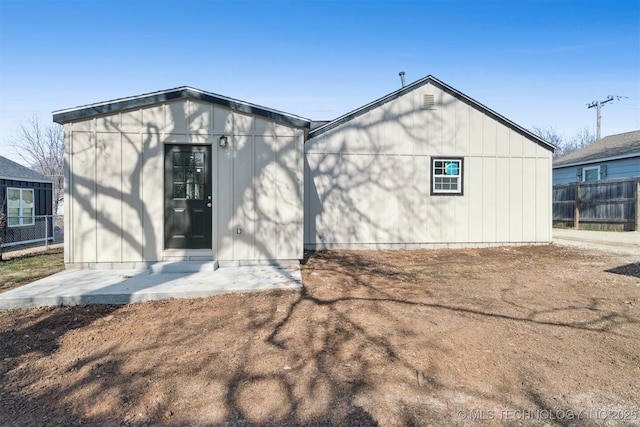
(541, 335)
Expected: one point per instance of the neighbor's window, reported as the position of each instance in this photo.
(591, 174)
(446, 176)
(20, 207)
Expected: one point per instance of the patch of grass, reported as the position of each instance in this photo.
(25, 269)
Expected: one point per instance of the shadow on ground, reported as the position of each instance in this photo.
(375, 338)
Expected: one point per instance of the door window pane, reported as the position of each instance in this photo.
(179, 191)
(199, 160)
(178, 159)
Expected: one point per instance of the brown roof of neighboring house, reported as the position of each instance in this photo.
(610, 147)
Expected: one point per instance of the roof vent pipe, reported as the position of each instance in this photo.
(401, 74)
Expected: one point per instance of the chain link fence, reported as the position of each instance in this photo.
(41, 230)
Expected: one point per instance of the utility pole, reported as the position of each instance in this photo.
(598, 105)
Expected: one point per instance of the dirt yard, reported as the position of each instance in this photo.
(541, 335)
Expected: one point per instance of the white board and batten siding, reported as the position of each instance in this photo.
(115, 195)
(367, 180)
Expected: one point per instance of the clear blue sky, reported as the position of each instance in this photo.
(535, 62)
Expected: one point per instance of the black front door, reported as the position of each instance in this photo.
(187, 197)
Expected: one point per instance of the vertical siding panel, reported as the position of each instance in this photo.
(447, 218)
(475, 132)
(504, 192)
(434, 124)
(175, 119)
(243, 198)
(449, 123)
(309, 188)
(110, 123)
(404, 112)
(515, 144)
(515, 200)
(224, 204)
(392, 205)
(421, 183)
(109, 197)
(489, 200)
(69, 197)
(242, 123)
(264, 127)
(434, 217)
(543, 200)
(461, 208)
(320, 191)
(265, 185)
(528, 148)
(529, 203)
(131, 198)
(359, 169)
(462, 128)
(475, 186)
(153, 119)
(408, 199)
(152, 196)
(200, 120)
(390, 127)
(328, 185)
(503, 142)
(420, 126)
(222, 121)
(489, 135)
(288, 198)
(131, 121)
(83, 178)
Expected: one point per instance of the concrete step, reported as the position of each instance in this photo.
(183, 267)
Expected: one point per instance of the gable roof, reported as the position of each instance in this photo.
(612, 147)
(15, 171)
(85, 111)
(443, 86)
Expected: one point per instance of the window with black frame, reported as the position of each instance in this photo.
(446, 176)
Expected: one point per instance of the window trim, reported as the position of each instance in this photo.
(21, 208)
(590, 168)
(460, 191)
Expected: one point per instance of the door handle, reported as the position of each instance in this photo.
(209, 204)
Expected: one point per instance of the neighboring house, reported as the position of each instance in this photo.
(185, 174)
(612, 157)
(25, 195)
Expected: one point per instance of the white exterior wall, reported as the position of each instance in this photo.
(367, 181)
(115, 179)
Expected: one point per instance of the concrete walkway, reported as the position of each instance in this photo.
(621, 242)
(78, 287)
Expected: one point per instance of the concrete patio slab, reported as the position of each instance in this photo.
(78, 287)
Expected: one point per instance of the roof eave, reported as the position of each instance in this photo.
(77, 113)
(20, 178)
(597, 160)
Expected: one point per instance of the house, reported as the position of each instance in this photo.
(612, 157)
(425, 167)
(25, 197)
(185, 174)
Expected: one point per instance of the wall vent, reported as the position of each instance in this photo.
(428, 101)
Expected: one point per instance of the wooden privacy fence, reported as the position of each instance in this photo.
(605, 205)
